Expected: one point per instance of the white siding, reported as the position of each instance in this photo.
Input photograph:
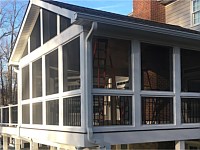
(179, 13)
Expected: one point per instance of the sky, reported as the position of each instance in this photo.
(123, 7)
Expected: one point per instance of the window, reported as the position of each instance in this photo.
(37, 78)
(14, 116)
(25, 83)
(35, 39)
(49, 25)
(108, 71)
(37, 113)
(124, 146)
(71, 65)
(196, 12)
(52, 73)
(5, 116)
(52, 112)
(157, 110)
(72, 111)
(64, 23)
(190, 71)
(112, 110)
(156, 67)
(26, 114)
(190, 110)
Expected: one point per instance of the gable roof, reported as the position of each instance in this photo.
(81, 15)
(110, 15)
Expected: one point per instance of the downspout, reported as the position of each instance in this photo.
(88, 91)
(88, 88)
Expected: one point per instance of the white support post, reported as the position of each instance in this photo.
(52, 148)
(136, 82)
(82, 76)
(177, 86)
(5, 142)
(58, 24)
(180, 145)
(19, 78)
(1, 115)
(31, 92)
(17, 144)
(60, 74)
(9, 115)
(41, 26)
(33, 146)
(88, 103)
(43, 90)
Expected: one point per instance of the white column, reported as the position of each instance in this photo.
(9, 114)
(177, 86)
(58, 24)
(33, 146)
(5, 142)
(83, 78)
(17, 144)
(180, 145)
(43, 90)
(60, 77)
(19, 77)
(136, 75)
(52, 148)
(22, 143)
(1, 115)
(31, 94)
(41, 26)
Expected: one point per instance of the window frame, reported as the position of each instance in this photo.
(195, 12)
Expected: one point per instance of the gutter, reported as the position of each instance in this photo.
(136, 26)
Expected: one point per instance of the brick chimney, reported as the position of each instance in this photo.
(149, 10)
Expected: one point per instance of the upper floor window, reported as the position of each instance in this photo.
(64, 23)
(111, 63)
(35, 40)
(25, 83)
(52, 73)
(49, 25)
(37, 78)
(71, 65)
(156, 67)
(190, 71)
(196, 12)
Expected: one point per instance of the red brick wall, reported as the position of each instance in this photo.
(142, 9)
(157, 11)
(149, 9)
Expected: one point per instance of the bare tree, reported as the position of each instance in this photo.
(11, 14)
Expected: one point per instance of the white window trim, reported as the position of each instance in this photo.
(193, 12)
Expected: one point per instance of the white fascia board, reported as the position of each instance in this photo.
(58, 10)
(11, 62)
(136, 26)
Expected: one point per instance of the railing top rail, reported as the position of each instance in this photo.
(1, 107)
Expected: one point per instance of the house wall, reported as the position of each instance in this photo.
(179, 13)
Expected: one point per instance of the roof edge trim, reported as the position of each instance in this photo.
(102, 19)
